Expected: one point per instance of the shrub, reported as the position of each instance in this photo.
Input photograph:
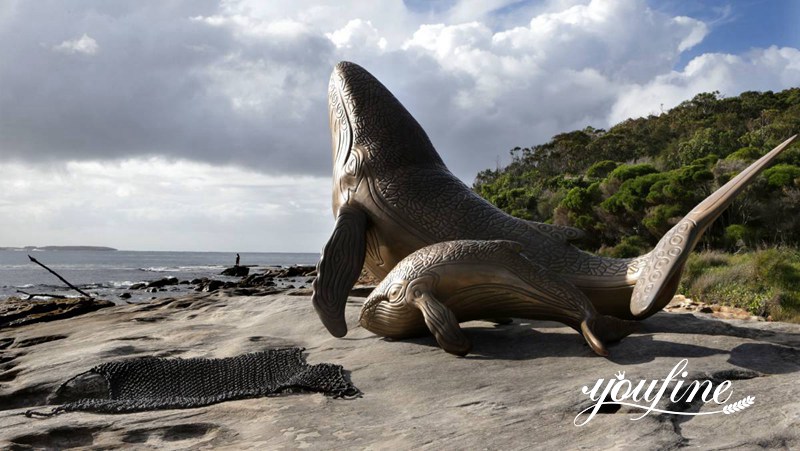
(747, 154)
(630, 171)
(630, 246)
(781, 175)
(765, 282)
(601, 169)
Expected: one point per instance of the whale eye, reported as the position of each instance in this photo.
(395, 291)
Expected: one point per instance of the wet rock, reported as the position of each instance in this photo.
(125, 295)
(138, 286)
(236, 271)
(258, 280)
(291, 271)
(213, 285)
(163, 282)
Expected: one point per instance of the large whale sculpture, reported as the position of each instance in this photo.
(393, 195)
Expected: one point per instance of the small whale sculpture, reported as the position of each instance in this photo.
(444, 284)
(393, 195)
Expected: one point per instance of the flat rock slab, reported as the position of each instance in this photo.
(520, 388)
(18, 312)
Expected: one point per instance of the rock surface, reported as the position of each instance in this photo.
(236, 271)
(519, 388)
(17, 312)
(682, 304)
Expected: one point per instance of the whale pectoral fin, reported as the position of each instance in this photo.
(557, 232)
(442, 323)
(339, 267)
(657, 284)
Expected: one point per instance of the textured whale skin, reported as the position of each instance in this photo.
(444, 284)
(393, 195)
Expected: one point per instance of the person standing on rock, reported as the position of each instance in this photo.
(237, 260)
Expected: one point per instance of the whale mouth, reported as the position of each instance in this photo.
(339, 117)
(391, 319)
(369, 307)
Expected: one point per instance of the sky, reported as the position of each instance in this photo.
(203, 125)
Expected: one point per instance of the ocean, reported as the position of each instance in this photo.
(109, 273)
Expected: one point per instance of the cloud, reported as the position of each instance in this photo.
(758, 70)
(154, 203)
(202, 124)
(243, 82)
(357, 34)
(85, 44)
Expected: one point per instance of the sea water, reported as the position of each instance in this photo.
(107, 274)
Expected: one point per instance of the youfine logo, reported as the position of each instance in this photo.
(646, 394)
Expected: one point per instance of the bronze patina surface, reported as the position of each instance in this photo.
(393, 195)
(444, 284)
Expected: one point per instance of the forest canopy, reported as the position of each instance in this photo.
(628, 185)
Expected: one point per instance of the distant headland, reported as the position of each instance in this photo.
(58, 248)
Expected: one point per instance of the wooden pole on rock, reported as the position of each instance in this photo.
(62, 279)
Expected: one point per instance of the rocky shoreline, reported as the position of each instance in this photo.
(520, 388)
(266, 282)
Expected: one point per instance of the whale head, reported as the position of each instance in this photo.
(386, 313)
(370, 127)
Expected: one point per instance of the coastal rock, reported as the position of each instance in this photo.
(236, 271)
(682, 304)
(258, 280)
(519, 388)
(160, 283)
(138, 286)
(366, 278)
(209, 285)
(292, 271)
(18, 312)
(213, 285)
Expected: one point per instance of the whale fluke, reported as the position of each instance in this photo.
(658, 282)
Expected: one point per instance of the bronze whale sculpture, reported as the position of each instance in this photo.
(444, 284)
(393, 195)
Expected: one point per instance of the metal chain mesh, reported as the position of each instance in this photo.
(155, 383)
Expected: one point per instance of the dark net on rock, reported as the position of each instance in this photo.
(155, 383)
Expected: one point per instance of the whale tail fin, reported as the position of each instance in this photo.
(601, 329)
(658, 281)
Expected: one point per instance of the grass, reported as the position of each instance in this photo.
(765, 282)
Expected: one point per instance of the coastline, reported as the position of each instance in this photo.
(109, 274)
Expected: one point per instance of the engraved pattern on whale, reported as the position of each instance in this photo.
(393, 194)
(444, 284)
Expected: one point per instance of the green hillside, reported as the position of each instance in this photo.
(628, 185)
